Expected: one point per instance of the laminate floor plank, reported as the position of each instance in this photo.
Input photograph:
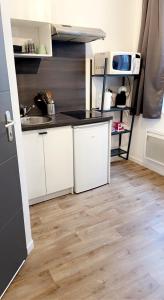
(104, 244)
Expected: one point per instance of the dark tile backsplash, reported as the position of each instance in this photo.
(63, 74)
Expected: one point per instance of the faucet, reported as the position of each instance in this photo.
(26, 109)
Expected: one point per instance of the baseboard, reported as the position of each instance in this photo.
(30, 246)
(51, 196)
(138, 161)
(146, 165)
(116, 158)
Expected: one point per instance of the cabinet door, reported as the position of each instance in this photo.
(90, 156)
(34, 162)
(58, 148)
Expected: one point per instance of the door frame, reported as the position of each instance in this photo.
(16, 116)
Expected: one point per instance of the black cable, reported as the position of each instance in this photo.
(129, 84)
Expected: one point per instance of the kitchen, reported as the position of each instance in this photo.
(53, 148)
(67, 127)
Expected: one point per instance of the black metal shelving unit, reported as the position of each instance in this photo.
(117, 151)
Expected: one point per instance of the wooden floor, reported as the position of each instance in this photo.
(105, 244)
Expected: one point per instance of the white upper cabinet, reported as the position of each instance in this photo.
(36, 33)
(58, 149)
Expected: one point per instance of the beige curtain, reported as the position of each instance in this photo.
(149, 91)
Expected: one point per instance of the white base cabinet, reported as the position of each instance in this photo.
(34, 163)
(58, 152)
(49, 161)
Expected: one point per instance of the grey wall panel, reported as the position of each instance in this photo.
(10, 193)
(4, 84)
(12, 250)
(12, 234)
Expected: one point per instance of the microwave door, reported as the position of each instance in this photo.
(122, 63)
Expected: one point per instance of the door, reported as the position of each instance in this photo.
(34, 160)
(58, 152)
(91, 158)
(12, 235)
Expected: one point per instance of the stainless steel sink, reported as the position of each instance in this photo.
(35, 120)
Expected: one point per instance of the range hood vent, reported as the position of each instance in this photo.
(76, 34)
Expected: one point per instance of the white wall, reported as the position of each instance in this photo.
(116, 17)
(138, 141)
(36, 10)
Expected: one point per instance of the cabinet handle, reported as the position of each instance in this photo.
(44, 132)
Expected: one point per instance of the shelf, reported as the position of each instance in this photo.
(38, 33)
(114, 75)
(113, 108)
(31, 55)
(117, 152)
(121, 132)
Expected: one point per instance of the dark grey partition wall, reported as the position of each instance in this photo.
(12, 235)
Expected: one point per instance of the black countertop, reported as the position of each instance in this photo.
(60, 119)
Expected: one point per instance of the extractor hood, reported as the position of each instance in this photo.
(76, 34)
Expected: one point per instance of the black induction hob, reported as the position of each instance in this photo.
(82, 114)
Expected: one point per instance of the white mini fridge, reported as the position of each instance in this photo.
(91, 156)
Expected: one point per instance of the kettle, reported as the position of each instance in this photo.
(121, 97)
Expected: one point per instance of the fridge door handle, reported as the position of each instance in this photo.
(96, 124)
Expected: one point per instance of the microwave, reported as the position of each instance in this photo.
(117, 63)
